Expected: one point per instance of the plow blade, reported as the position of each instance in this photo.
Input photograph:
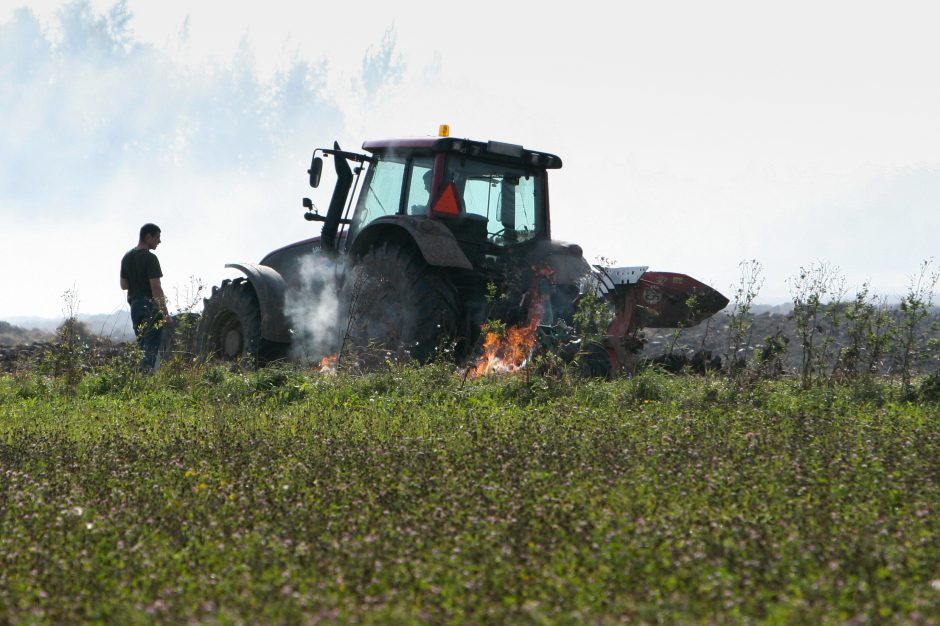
(669, 300)
(644, 299)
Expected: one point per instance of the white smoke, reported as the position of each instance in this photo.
(314, 309)
(103, 132)
(97, 105)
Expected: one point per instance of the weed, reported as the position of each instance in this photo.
(71, 346)
(740, 318)
(814, 286)
(929, 388)
(911, 343)
(864, 336)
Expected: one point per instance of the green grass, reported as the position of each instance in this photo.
(407, 497)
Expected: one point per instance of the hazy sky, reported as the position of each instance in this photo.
(694, 135)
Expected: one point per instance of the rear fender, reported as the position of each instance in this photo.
(436, 243)
(270, 288)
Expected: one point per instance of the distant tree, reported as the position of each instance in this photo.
(12, 335)
(74, 330)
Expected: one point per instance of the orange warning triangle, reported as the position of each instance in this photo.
(447, 204)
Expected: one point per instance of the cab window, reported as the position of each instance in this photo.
(384, 193)
(509, 199)
(419, 186)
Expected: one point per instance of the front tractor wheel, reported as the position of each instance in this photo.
(399, 304)
(230, 328)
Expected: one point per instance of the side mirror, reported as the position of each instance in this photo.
(316, 167)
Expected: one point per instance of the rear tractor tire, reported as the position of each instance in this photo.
(398, 304)
(230, 328)
(593, 361)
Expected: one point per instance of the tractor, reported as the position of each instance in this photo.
(438, 226)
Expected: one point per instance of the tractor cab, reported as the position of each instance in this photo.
(491, 197)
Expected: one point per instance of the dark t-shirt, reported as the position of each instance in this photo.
(138, 267)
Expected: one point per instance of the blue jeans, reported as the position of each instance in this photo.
(148, 326)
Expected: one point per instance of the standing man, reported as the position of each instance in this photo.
(140, 277)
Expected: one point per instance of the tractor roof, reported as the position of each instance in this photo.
(482, 149)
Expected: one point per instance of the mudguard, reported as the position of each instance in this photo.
(270, 288)
(437, 244)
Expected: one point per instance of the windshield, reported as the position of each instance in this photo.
(383, 195)
(508, 198)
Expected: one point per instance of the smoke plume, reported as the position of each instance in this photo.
(313, 308)
(103, 132)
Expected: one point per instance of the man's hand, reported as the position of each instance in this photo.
(157, 290)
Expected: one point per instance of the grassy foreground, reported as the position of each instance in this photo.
(406, 497)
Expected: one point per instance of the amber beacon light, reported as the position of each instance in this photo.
(443, 130)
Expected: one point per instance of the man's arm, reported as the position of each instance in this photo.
(125, 284)
(157, 290)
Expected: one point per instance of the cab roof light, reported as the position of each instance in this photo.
(443, 130)
(504, 149)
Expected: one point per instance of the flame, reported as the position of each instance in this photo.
(327, 364)
(503, 355)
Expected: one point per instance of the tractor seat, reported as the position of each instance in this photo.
(468, 227)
